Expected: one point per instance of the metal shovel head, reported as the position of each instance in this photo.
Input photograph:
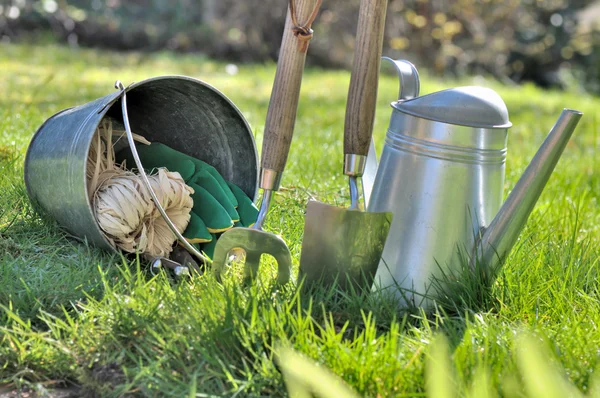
(255, 243)
(342, 244)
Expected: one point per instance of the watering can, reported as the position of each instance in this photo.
(441, 174)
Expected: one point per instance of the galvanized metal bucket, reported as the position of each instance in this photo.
(184, 113)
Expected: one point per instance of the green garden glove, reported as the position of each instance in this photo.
(206, 207)
(209, 247)
(192, 170)
(205, 167)
(215, 200)
(196, 231)
(246, 208)
(158, 155)
(205, 180)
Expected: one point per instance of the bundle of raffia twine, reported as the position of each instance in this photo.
(122, 204)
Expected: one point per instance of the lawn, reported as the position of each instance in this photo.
(74, 316)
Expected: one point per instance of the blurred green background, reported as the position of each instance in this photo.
(554, 43)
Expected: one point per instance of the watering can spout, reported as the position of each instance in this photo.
(497, 239)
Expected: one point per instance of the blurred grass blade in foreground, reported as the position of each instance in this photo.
(304, 378)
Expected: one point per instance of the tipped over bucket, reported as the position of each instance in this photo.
(184, 113)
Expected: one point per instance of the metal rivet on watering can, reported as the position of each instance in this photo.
(184, 113)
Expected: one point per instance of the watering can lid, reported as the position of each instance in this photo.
(466, 106)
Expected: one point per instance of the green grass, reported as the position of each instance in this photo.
(73, 315)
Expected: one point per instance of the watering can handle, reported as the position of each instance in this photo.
(409, 88)
(409, 78)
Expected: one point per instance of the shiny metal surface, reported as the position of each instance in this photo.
(342, 244)
(368, 177)
(278, 135)
(159, 263)
(501, 234)
(446, 141)
(270, 179)
(442, 176)
(255, 242)
(354, 165)
(345, 244)
(442, 183)
(264, 209)
(471, 106)
(156, 266)
(354, 195)
(184, 113)
(409, 88)
(181, 271)
(410, 84)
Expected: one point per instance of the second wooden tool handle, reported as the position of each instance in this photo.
(281, 115)
(362, 94)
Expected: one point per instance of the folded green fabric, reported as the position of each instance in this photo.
(246, 208)
(158, 155)
(200, 165)
(210, 210)
(204, 179)
(196, 231)
(209, 248)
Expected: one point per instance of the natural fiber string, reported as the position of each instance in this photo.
(303, 31)
(126, 213)
(123, 207)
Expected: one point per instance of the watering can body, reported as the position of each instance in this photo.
(441, 174)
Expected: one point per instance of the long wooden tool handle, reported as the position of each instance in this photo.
(362, 94)
(281, 115)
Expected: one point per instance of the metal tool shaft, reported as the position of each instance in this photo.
(264, 209)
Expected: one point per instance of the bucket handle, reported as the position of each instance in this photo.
(138, 163)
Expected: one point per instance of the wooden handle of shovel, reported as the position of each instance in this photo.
(281, 115)
(362, 94)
